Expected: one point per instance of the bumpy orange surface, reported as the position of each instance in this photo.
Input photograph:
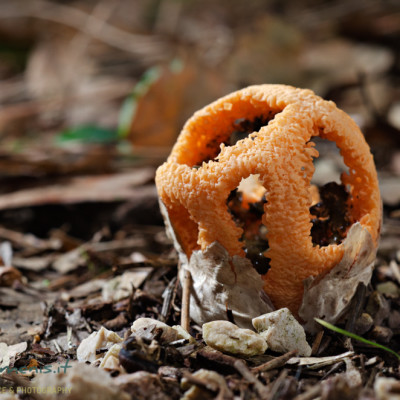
(201, 171)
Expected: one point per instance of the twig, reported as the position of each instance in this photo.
(57, 346)
(186, 288)
(168, 296)
(28, 240)
(333, 369)
(317, 342)
(246, 373)
(95, 22)
(140, 45)
(26, 109)
(311, 393)
(277, 385)
(275, 363)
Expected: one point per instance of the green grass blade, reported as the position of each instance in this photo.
(354, 336)
(129, 106)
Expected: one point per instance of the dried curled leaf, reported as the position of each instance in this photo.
(104, 338)
(328, 296)
(80, 381)
(222, 283)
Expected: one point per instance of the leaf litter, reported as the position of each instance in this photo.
(83, 299)
(57, 284)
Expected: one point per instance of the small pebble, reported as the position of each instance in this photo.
(228, 338)
(363, 324)
(183, 334)
(149, 328)
(381, 334)
(389, 289)
(378, 307)
(282, 332)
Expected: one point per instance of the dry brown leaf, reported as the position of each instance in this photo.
(116, 187)
(174, 95)
(80, 381)
(328, 296)
(9, 275)
(319, 362)
(8, 353)
(156, 117)
(222, 283)
(122, 286)
(55, 67)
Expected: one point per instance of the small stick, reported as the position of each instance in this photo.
(312, 393)
(277, 385)
(168, 295)
(186, 288)
(275, 363)
(317, 342)
(262, 390)
(57, 346)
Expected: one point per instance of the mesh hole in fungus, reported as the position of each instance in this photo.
(246, 205)
(330, 213)
(241, 129)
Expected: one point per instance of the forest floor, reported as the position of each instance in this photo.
(82, 240)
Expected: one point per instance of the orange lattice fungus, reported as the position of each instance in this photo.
(265, 132)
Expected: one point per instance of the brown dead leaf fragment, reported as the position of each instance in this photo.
(157, 100)
(9, 276)
(9, 353)
(83, 381)
(210, 358)
(217, 286)
(328, 296)
(28, 240)
(105, 188)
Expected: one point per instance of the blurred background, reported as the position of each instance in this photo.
(93, 93)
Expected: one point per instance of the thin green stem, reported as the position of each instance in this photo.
(354, 336)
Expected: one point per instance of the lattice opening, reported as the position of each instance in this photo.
(246, 205)
(240, 130)
(331, 200)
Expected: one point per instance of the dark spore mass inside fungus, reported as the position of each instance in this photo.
(243, 127)
(254, 232)
(331, 215)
